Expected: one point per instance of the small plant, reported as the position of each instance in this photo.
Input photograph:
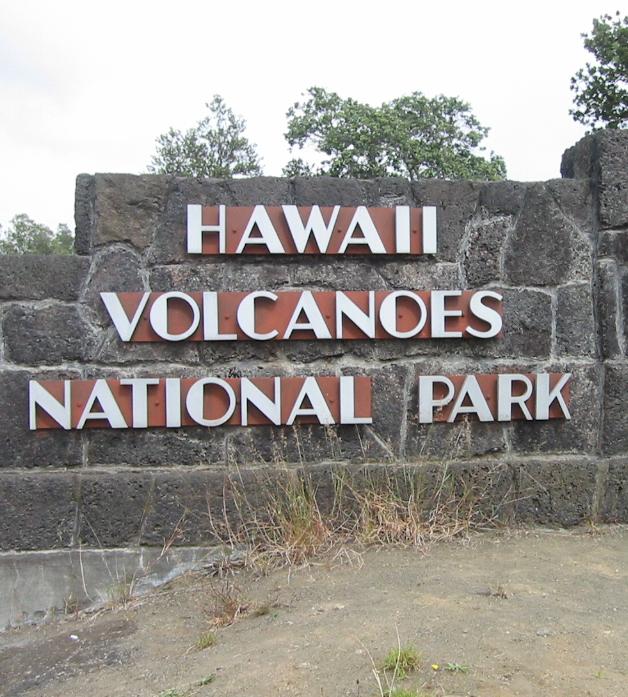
(206, 640)
(227, 603)
(403, 692)
(457, 668)
(206, 680)
(401, 661)
(172, 692)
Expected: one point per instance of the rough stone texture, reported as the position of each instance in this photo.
(22, 448)
(555, 492)
(483, 250)
(578, 435)
(38, 510)
(608, 308)
(47, 334)
(614, 506)
(545, 249)
(456, 203)
(575, 327)
(561, 268)
(34, 277)
(602, 157)
(615, 429)
(127, 208)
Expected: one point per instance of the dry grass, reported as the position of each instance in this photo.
(285, 525)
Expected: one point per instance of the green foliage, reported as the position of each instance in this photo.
(206, 640)
(25, 236)
(215, 147)
(601, 88)
(401, 661)
(412, 136)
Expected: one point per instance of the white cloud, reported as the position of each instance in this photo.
(87, 87)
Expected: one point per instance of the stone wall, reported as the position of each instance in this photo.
(557, 250)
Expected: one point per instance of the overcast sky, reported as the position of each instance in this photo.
(87, 86)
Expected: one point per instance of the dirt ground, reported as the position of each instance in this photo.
(526, 613)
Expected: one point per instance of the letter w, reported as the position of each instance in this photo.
(315, 224)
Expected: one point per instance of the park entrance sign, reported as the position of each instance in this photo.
(263, 315)
(462, 341)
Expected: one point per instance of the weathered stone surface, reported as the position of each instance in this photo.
(613, 177)
(38, 510)
(614, 504)
(576, 201)
(169, 242)
(555, 492)
(481, 255)
(580, 434)
(33, 277)
(113, 507)
(413, 275)
(615, 424)
(527, 329)
(21, 447)
(608, 308)
(327, 191)
(167, 447)
(503, 198)
(112, 351)
(602, 157)
(128, 208)
(117, 269)
(575, 328)
(545, 249)
(456, 203)
(47, 334)
(614, 243)
(389, 191)
(84, 213)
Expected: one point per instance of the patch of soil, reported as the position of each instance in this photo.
(525, 613)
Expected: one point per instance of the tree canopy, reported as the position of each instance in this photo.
(413, 136)
(215, 147)
(25, 236)
(601, 87)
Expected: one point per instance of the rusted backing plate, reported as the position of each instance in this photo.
(215, 400)
(237, 219)
(276, 315)
(488, 385)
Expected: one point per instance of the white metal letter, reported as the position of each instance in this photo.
(471, 389)
(196, 229)
(38, 396)
(545, 397)
(110, 409)
(362, 219)
(271, 408)
(388, 314)
(315, 320)
(347, 403)
(246, 315)
(118, 316)
(427, 403)
(365, 321)
(319, 409)
(159, 316)
(195, 401)
(439, 313)
(486, 314)
(505, 398)
(269, 238)
(315, 224)
(139, 398)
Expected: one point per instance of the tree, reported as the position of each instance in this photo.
(412, 136)
(601, 88)
(215, 147)
(25, 236)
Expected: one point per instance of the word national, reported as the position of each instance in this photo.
(209, 402)
(310, 230)
(286, 315)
